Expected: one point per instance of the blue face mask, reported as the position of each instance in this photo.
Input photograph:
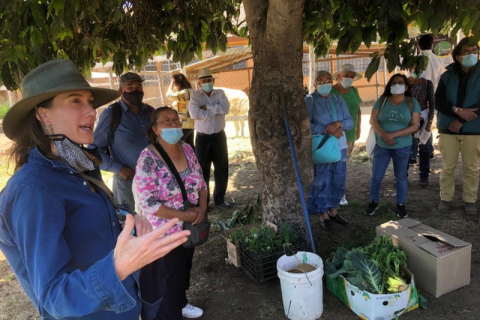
(207, 87)
(346, 83)
(417, 76)
(324, 89)
(470, 60)
(172, 135)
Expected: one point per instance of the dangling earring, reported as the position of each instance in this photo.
(48, 127)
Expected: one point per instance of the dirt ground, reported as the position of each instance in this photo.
(225, 292)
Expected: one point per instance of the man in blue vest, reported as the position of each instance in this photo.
(457, 100)
(120, 135)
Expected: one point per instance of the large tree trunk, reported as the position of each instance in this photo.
(275, 28)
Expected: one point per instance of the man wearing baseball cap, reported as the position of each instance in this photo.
(121, 135)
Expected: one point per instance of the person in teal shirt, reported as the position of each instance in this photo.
(344, 88)
(395, 117)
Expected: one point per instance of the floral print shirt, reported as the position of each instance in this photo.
(156, 186)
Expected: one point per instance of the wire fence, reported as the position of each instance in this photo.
(235, 77)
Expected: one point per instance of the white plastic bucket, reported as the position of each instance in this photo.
(302, 293)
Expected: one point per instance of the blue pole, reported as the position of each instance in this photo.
(297, 173)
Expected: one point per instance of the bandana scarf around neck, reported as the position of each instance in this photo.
(78, 157)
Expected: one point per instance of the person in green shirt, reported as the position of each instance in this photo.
(395, 117)
(344, 88)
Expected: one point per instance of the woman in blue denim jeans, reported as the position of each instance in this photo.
(58, 224)
(395, 116)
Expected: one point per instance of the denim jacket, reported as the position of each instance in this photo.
(58, 237)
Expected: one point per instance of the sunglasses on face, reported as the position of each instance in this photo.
(398, 82)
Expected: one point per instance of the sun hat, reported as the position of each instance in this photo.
(347, 68)
(204, 73)
(47, 81)
(130, 76)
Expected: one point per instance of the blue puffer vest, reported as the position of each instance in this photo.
(451, 80)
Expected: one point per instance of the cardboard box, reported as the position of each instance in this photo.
(441, 263)
(233, 249)
(370, 306)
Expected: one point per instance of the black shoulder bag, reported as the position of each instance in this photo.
(199, 232)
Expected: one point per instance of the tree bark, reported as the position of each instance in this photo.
(275, 28)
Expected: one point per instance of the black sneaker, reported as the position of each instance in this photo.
(401, 212)
(423, 182)
(412, 160)
(372, 207)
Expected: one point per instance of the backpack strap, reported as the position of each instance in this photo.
(383, 100)
(409, 102)
(116, 118)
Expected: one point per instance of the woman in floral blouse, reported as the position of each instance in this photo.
(160, 200)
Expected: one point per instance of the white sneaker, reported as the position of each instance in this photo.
(191, 312)
(344, 201)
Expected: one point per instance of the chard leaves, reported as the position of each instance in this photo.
(370, 271)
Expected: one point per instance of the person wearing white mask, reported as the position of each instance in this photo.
(208, 107)
(344, 88)
(423, 91)
(457, 101)
(395, 117)
(328, 114)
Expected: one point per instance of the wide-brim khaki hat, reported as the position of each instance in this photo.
(47, 81)
(204, 73)
(347, 68)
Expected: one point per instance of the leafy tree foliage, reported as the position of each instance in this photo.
(125, 32)
(129, 32)
(355, 21)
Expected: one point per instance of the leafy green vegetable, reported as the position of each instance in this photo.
(339, 257)
(370, 271)
(265, 239)
(370, 268)
(236, 236)
(247, 215)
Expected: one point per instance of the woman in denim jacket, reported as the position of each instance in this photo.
(58, 225)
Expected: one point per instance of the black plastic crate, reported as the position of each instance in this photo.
(261, 267)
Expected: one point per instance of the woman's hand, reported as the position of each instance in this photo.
(132, 253)
(332, 127)
(389, 139)
(338, 133)
(142, 225)
(200, 215)
(191, 214)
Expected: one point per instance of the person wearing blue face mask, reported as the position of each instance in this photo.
(457, 101)
(395, 117)
(208, 108)
(160, 200)
(344, 88)
(328, 114)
